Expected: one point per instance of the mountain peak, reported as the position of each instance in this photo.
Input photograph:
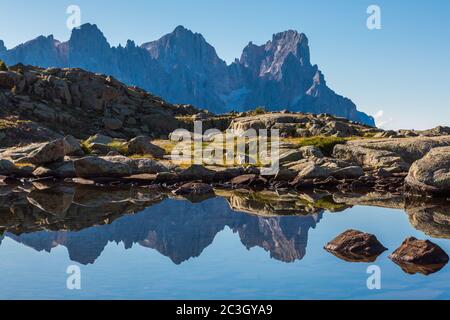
(89, 34)
(184, 68)
(2, 46)
(183, 45)
(290, 35)
(182, 29)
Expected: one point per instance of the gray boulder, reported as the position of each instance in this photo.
(46, 153)
(142, 145)
(72, 147)
(432, 172)
(370, 159)
(93, 167)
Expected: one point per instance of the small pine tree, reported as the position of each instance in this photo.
(259, 110)
(3, 66)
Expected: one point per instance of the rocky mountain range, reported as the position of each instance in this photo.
(183, 68)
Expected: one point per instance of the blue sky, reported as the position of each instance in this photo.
(400, 72)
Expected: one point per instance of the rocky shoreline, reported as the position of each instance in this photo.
(414, 166)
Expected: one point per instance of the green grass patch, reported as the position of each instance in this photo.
(119, 146)
(325, 144)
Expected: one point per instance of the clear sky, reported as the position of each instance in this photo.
(399, 73)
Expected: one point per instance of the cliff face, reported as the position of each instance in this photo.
(182, 67)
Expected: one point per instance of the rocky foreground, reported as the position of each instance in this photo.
(418, 165)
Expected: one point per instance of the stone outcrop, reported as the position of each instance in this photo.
(431, 174)
(356, 246)
(81, 103)
(45, 153)
(301, 125)
(115, 167)
(419, 256)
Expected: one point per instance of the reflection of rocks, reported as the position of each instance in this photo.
(55, 200)
(355, 246)
(49, 208)
(422, 256)
(177, 229)
(270, 203)
(432, 218)
(377, 199)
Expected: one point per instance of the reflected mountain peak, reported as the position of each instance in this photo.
(85, 219)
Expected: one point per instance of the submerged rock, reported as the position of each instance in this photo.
(194, 188)
(248, 180)
(356, 246)
(419, 256)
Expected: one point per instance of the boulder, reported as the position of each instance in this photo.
(58, 170)
(197, 172)
(112, 123)
(72, 147)
(421, 256)
(7, 168)
(356, 246)
(352, 172)
(146, 166)
(93, 167)
(311, 152)
(370, 159)
(102, 149)
(407, 149)
(431, 174)
(289, 156)
(7, 79)
(313, 171)
(46, 153)
(99, 138)
(141, 145)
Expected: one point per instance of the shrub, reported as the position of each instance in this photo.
(259, 110)
(3, 66)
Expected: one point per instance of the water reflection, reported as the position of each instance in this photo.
(84, 219)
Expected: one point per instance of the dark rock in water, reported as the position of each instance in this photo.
(356, 246)
(197, 172)
(419, 256)
(194, 188)
(195, 192)
(249, 180)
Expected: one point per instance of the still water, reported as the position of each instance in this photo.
(135, 244)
